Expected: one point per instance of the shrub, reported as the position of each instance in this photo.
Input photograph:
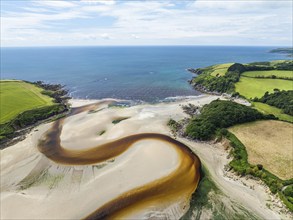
(237, 67)
(288, 191)
(174, 125)
(220, 114)
(259, 166)
(29, 118)
(279, 99)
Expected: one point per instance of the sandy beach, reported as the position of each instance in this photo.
(39, 187)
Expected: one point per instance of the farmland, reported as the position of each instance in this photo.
(18, 96)
(268, 143)
(220, 69)
(277, 73)
(252, 87)
(267, 109)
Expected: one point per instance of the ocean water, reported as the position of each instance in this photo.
(136, 73)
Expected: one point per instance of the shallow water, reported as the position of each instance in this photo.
(132, 73)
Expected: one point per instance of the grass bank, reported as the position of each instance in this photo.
(241, 165)
(24, 103)
(208, 202)
(267, 109)
(18, 96)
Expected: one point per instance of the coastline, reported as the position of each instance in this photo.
(255, 199)
(258, 196)
(247, 191)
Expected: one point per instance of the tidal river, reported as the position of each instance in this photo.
(183, 180)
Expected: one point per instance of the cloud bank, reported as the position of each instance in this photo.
(109, 22)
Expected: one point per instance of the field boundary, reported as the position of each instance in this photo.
(240, 165)
(32, 93)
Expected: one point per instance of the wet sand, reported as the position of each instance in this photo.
(70, 182)
(149, 171)
(183, 179)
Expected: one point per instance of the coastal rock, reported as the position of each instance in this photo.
(195, 71)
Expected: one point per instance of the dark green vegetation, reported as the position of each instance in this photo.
(225, 83)
(218, 115)
(271, 84)
(222, 84)
(174, 125)
(242, 167)
(213, 121)
(116, 121)
(208, 202)
(30, 103)
(30, 117)
(248, 81)
(280, 99)
(288, 51)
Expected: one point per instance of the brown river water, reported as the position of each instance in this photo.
(180, 183)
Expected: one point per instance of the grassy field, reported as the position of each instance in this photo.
(252, 87)
(267, 109)
(268, 143)
(221, 69)
(19, 96)
(278, 73)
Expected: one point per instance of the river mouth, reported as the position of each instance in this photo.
(180, 183)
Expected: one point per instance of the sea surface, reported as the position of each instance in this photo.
(149, 74)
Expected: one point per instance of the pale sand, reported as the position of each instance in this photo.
(66, 191)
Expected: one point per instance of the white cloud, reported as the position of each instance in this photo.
(105, 36)
(55, 4)
(134, 36)
(151, 22)
(240, 6)
(104, 2)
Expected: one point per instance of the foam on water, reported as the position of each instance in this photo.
(148, 74)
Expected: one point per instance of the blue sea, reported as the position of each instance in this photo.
(147, 73)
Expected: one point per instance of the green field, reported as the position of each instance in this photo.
(18, 96)
(221, 69)
(278, 73)
(252, 87)
(267, 109)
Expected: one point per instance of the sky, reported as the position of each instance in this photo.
(145, 22)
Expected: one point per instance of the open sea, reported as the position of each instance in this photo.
(147, 73)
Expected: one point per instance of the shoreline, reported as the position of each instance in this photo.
(79, 101)
(253, 185)
(211, 154)
(247, 191)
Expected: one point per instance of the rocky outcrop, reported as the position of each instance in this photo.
(195, 71)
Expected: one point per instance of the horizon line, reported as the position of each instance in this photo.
(155, 45)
